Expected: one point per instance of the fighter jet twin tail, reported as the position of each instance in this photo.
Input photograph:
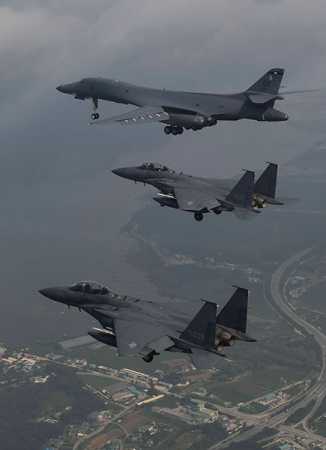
(139, 327)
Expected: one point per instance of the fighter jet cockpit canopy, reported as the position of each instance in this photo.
(157, 167)
(89, 287)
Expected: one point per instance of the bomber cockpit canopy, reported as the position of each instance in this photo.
(89, 287)
(157, 167)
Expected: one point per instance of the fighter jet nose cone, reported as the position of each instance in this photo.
(57, 294)
(59, 88)
(45, 292)
(122, 172)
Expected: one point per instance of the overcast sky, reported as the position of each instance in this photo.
(60, 204)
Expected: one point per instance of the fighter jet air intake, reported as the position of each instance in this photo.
(179, 110)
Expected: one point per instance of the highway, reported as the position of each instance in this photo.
(316, 392)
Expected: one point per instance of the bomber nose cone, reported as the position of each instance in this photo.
(68, 88)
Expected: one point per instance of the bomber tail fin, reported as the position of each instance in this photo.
(269, 83)
(242, 194)
(202, 329)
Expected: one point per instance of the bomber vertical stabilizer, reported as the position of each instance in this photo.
(269, 83)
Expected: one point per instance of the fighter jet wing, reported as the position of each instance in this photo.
(132, 337)
(146, 114)
(195, 200)
(202, 359)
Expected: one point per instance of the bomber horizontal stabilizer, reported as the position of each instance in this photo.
(261, 98)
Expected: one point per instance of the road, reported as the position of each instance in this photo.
(316, 392)
(87, 439)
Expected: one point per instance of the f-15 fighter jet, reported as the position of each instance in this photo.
(203, 195)
(139, 327)
(180, 110)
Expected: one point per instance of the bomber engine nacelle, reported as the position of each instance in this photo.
(192, 121)
(273, 115)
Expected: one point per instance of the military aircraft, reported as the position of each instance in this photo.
(139, 327)
(203, 195)
(180, 110)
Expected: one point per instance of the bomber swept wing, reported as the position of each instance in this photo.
(146, 114)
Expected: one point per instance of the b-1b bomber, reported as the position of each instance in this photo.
(180, 110)
(200, 195)
(138, 327)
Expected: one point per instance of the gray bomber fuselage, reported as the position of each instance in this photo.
(126, 93)
(218, 106)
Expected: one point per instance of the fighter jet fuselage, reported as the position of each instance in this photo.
(136, 326)
(181, 110)
(203, 195)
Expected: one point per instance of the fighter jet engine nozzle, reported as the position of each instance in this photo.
(224, 339)
(258, 202)
(166, 200)
(273, 115)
